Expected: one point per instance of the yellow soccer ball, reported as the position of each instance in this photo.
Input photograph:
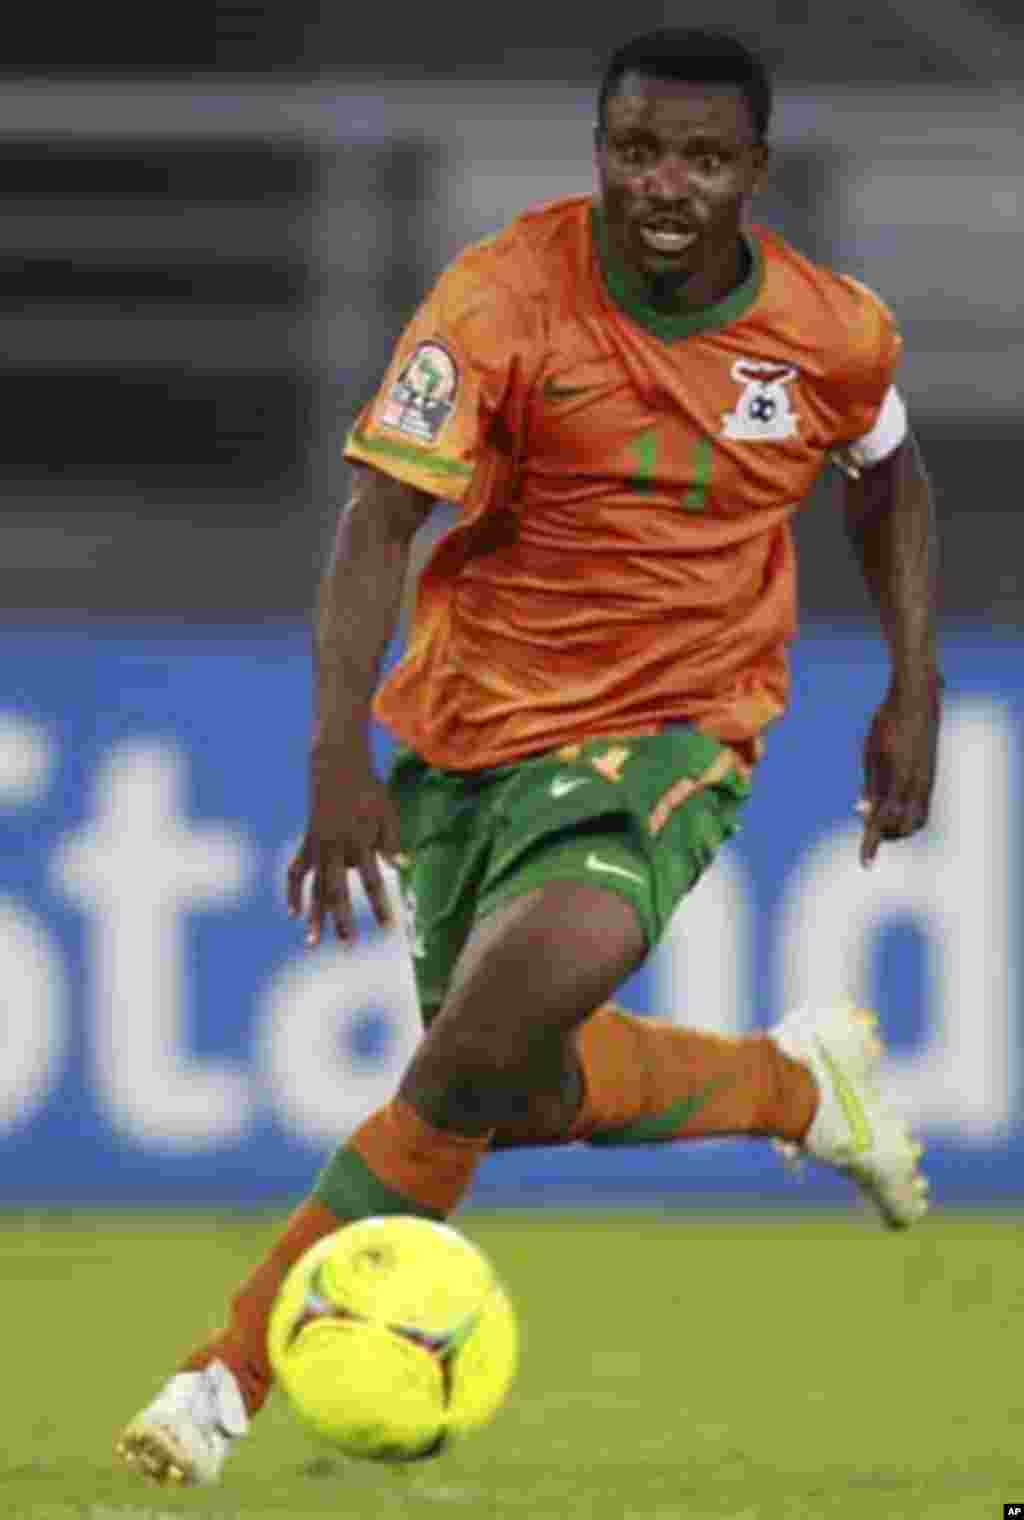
(392, 1337)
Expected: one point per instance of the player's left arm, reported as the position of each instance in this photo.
(890, 522)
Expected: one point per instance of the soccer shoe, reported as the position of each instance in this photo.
(853, 1130)
(185, 1434)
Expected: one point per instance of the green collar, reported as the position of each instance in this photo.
(629, 292)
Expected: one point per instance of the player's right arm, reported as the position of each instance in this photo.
(352, 819)
(427, 436)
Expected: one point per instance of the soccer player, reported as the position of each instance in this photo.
(628, 396)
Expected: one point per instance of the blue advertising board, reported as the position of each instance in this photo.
(167, 1038)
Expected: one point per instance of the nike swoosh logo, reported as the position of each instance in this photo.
(555, 392)
(566, 784)
(656, 1129)
(593, 863)
(861, 1135)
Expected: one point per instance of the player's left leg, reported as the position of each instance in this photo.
(810, 1083)
(649, 1081)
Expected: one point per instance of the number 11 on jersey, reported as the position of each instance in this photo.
(645, 450)
(695, 499)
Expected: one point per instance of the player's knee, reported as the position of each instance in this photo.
(467, 1086)
(470, 1101)
(473, 1081)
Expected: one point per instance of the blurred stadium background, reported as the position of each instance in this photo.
(215, 221)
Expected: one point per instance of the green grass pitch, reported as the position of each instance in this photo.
(743, 1367)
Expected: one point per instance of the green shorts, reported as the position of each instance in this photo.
(641, 817)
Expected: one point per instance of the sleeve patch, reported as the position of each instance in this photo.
(885, 437)
(420, 401)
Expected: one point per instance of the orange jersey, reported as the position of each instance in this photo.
(623, 557)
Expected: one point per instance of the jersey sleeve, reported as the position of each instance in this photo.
(868, 415)
(451, 408)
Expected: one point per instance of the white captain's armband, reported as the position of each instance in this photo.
(884, 439)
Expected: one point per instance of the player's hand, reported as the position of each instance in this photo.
(353, 822)
(899, 766)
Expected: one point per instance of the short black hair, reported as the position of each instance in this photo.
(695, 55)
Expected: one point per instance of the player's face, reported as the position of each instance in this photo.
(676, 164)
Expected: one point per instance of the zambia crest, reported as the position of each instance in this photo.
(765, 410)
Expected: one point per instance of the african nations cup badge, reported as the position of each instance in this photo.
(423, 397)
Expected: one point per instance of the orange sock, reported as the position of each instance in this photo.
(242, 1344)
(398, 1163)
(395, 1163)
(646, 1080)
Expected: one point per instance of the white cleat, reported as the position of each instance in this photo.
(184, 1436)
(853, 1130)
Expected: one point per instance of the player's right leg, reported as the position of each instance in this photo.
(174, 1439)
(499, 1049)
